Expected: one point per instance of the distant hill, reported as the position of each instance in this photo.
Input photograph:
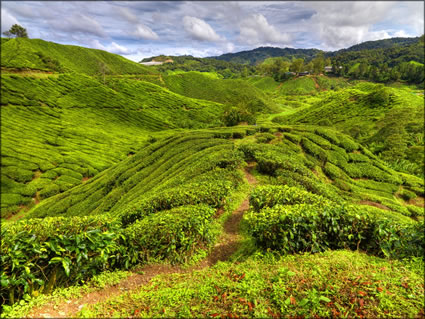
(391, 51)
(379, 44)
(49, 56)
(260, 54)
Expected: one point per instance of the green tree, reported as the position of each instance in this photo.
(297, 65)
(17, 31)
(318, 64)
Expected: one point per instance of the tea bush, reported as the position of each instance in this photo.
(318, 227)
(271, 195)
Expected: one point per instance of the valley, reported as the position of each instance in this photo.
(209, 187)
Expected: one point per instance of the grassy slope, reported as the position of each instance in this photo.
(58, 129)
(22, 53)
(200, 86)
(354, 111)
(176, 166)
(330, 284)
(322, 161)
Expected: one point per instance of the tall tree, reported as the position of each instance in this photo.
(17, 31)
(297, 65)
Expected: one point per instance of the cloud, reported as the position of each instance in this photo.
(256, 30)
(7, 20)
(401, 34)
(144, 32)
(343, 24)
(200, 30)
(113, 48)
(128, 15)
(80, 23)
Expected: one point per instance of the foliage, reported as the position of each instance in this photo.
(58, 130)
(22, 53)
(17, 31)
(260, 54)
(318, 227)
(329, 284)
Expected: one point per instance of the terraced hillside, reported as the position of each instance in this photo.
(182, 194)
(319, 160)
(162, 203)
(388, 120)
(21, 53)
(229, 91)
(61, 129)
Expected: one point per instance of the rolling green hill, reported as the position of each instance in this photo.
(319, 160)
(167, 193)
(258, 55)
(388, 120)
(38, 54)
(379, 44)
(57, 130)
(202, 86)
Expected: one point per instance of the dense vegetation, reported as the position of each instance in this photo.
(108, 165)
(388, 121)
(22, 53)
(258, 55)
(190, 63)
(380, 62)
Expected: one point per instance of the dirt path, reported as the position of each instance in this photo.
(227, 245)
(315, 83)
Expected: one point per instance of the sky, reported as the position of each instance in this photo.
(140, 29)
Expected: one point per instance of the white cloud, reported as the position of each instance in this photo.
(410, 13)
(7, 20)
(402, 34)
(230, 47)
(112, 48)
(256, 30)
(80, 23)
(343, 24)
(128, 15)
(144, 32)
(200, 30)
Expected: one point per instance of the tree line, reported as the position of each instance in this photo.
(401, 62)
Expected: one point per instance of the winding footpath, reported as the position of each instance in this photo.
(226, 246)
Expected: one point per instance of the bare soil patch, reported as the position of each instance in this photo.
(418, 201)
(367, 202)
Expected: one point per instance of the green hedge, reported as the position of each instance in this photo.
(38, 255)
(318, 227)
(172, 234)
(270, 195)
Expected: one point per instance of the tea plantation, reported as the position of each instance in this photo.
(182, 194)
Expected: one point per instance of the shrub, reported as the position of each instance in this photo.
(318, 227)
(172, 234)
(415, 210)
(332, 171)
(313, 149)
(49, 190)
(407, 195)
(296, 139)
(357, 157)
(264, 137)
(40, 254)
(269, 196)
